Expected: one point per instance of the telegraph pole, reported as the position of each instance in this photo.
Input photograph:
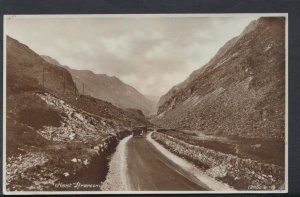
(82, 88)
(43, 77)
(64, 81)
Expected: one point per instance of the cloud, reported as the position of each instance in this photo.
(150, 53)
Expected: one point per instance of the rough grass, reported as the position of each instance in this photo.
(238, 172)
(39, 117)
(21, 138)
(23, 121)
(94, 173)
(265, 150)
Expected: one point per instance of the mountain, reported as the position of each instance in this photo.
(27, 69)
(240, 91)
(45, 116)
(108, 88)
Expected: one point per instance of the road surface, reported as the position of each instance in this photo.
(149, 170)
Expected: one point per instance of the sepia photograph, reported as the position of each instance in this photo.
(145, 103)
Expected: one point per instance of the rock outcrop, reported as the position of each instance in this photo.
(26, 69)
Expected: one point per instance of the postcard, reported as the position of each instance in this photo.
(145, 103)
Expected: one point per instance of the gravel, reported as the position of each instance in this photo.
(116, 179)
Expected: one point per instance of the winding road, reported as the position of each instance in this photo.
(149, 170)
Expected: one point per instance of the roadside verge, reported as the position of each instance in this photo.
(116, 179)
(190, 168)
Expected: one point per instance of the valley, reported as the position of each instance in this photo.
(222, 128)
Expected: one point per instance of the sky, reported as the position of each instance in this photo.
(150, 53)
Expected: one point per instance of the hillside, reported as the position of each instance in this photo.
(44, 120)
(108, 88)
(240, 91)
(26, 68)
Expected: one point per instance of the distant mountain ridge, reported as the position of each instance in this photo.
(28, 74)
(240, 91)
(108, 88)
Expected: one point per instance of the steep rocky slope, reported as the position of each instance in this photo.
(240, 91)
(52, 132)
(108, 88)
(26, 68)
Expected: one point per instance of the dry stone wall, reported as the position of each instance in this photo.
(240, 173)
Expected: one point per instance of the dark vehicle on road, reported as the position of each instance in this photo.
(139, 131)
(150, 129)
